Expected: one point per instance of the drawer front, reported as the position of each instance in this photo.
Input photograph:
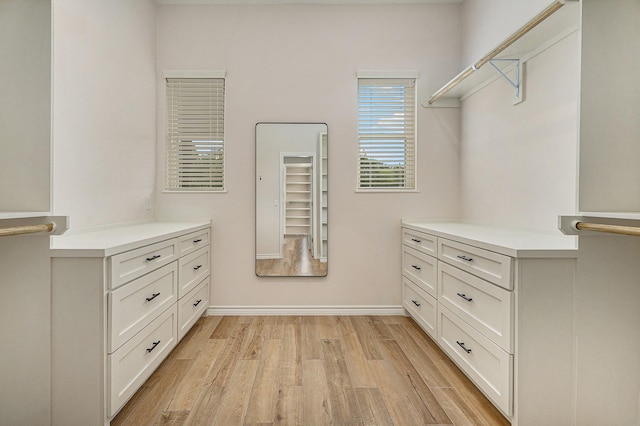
(192, 306)
(493, 267)
(420, 305)
(134, 362)
(485, 306)
(420, 241)
(193, 241)
(133, 306)
(130, 265)
(421, 269)
(192, 269)
(486, 364)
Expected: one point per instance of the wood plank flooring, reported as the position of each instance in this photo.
(296, 261)
(308, 370)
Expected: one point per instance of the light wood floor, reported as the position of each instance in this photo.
(329, 370)
(296, 261)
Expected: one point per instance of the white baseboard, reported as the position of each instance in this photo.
(268, 256)
(305, 310)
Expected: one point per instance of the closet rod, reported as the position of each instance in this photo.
(27, 229)
(612, 229)
(550, 10)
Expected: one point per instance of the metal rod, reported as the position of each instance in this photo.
(27, 229)
(612, 229)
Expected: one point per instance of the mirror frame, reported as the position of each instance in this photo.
(311, 249)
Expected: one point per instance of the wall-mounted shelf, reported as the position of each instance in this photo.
(600, 223)
(553, 24)
(22, 221)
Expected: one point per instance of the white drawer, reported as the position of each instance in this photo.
(134, 362)
(192, 306)
(132, 264)
(133, 306)
(420, 305)
(192, 269)
(421, 269)
(486, 364)
(486, 264)
(485, 306)
(420, 241)
(193, 241)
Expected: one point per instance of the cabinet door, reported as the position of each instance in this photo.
(132, 264)
(494, 267)
(420, 305)
(486, 364)
(421, 269)
(193, 241)
(487, 307)
(134, 362)
(420, 241)
(192, 306)
(192, 269)
(133, 306)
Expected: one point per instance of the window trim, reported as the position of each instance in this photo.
(390, 74)
(202, 74)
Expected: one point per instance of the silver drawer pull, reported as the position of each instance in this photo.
(153, 347)
(415, 302)
(461, 344)
(153, 296)
(465, 258)
(149, 259)
(195, 268)
(416, 267)
(197, 303)
(197, 241)
(464, 296)
(414, 240)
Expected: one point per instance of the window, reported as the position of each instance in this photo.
(386, 133)
(195, 134)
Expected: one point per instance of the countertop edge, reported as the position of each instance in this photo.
(76, 245)
(520, 252)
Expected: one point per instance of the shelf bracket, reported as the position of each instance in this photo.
(517, 84)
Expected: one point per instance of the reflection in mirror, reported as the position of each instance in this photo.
(291, 199)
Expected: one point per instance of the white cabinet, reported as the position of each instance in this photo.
(419, 278)
(122, 299)
(499, 311)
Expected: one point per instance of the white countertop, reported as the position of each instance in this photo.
(511, 242)
(108, 242)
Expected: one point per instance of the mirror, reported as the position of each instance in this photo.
(291, 199)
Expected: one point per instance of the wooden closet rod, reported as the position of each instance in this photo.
(612, 229)
(27, 229)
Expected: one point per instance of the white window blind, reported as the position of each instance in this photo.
(195, 134)
(386, 133)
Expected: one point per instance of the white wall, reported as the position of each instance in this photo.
(103, 110)
(607, 329)
(25, 105)
(298, 63)
(25, 312)
(485, 23)
(519, 162)
(609, 119)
